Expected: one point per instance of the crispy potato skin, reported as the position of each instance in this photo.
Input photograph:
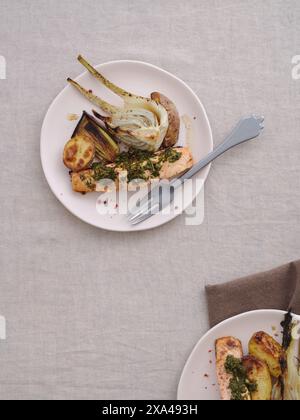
(83, 182)
(172, 135)
(227, 346)
(265, 348)
(258, 372)
(79, 152)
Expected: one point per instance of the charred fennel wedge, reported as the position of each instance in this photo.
(106, 149)
(141, 123)
(287, 387)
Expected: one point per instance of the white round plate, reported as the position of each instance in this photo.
(198, 380)
(140, 78)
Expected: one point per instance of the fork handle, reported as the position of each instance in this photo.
(236, 137)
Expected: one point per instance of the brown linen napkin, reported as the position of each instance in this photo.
(275, 289)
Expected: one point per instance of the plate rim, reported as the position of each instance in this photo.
(140, 228)
(220, 324)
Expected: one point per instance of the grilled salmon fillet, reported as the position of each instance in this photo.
(226, 346)
(84, 181)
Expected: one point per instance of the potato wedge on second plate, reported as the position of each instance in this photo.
(258, 373)
(265, 348)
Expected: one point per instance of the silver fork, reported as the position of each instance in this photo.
(163, 194)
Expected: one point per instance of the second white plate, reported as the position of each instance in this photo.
(198, 380)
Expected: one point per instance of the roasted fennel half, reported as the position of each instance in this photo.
(141, 123)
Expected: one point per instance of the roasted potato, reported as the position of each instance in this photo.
(174, 119)
(84, 181)
(79, 152)
(106, 148)
(258, 372)
(265, 348)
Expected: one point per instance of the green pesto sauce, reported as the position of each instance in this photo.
(89, 181)
(239, 383)
(145, 165)
(139, 164)
(103, 172)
